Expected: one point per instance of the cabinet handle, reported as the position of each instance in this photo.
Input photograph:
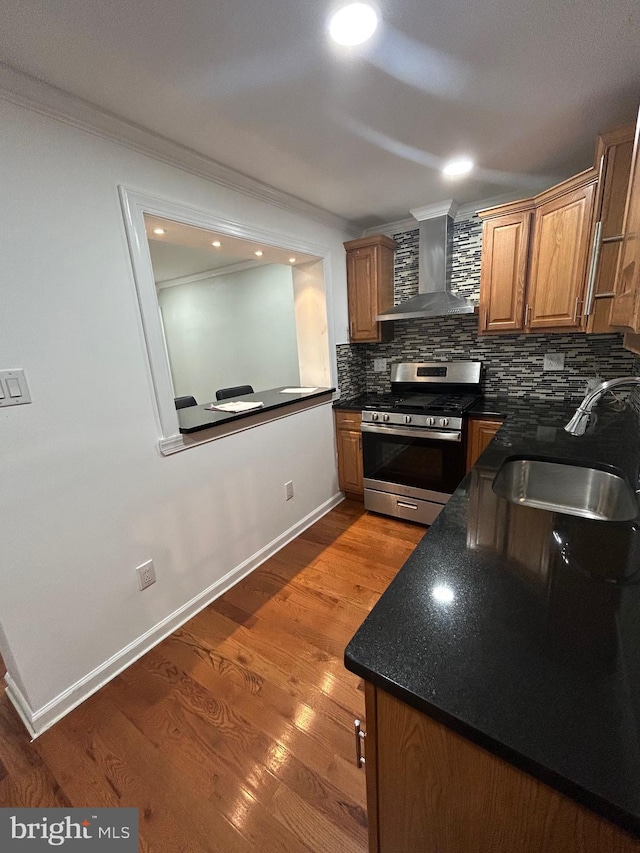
(593, 269)
(577, 316)
(406, 505)
(360, 443)
(527, 315)
(486, 319)
(360, 736)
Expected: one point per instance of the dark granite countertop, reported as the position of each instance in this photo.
(536, 656)
(196, 418)
(353, 404)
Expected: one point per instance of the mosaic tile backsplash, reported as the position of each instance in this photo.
(513, 363)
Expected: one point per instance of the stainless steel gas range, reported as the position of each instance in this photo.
(414, 439)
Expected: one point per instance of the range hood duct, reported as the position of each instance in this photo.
(434, 298)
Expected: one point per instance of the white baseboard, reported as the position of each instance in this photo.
(38, 721)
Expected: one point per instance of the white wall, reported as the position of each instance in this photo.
(311, 323)
(85, 495)
(232, 329)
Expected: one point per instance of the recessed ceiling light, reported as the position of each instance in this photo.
(216, 243)
(458, 167)
(258, 253)
(292, 260)
(353, 24)
(159, 231)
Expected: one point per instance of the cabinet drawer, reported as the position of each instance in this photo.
(348, 420)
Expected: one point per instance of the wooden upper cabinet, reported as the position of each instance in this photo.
(625, 312)
(503, 276)
(560, 254)
(613, 155)
(369, 287)
(535, 259)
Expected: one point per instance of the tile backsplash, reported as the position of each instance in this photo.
(513, 363)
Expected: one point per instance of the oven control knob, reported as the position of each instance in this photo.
(374, 416)
(407, 419)
(444, 422)
(430, 421)
(385, 418)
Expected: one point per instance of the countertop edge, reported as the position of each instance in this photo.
(231, 417)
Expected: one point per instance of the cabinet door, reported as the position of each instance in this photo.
(430, 790)
(362, 284)
(350, 461)
(505, 246)
(616, 149)
(481, 433)
(561, 243)
(625, 312)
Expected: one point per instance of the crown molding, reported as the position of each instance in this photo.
(472, 208)
(201, 276)
(390, 228)
(466, 210)
(448, 207)
(38, 96)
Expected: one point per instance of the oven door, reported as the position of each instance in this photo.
(422, 463)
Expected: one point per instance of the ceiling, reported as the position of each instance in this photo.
(185, 250)
(522, 86)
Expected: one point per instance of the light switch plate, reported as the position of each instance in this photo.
(14, 390)
(379, 365)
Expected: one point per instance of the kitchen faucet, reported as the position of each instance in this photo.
(579, 422)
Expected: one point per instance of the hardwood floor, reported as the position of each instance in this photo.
(236, 733)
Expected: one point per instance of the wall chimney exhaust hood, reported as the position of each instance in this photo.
(434, 298)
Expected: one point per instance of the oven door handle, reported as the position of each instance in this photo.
(427, 434)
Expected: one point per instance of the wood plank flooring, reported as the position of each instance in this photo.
(236, 733)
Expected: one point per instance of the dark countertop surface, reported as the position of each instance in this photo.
(536, 656)
(196, 418)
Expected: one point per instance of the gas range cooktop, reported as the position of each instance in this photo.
(452, 405)
(431, 395)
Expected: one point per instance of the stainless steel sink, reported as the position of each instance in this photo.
(570, 489)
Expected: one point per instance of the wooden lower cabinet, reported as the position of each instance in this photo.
(430, 790)
(349, 445)
(481, 432)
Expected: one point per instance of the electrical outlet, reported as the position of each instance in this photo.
(288, 490)
(379, 365)
(553, 361)
(146, 574)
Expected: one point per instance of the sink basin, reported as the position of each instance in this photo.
(570, 489)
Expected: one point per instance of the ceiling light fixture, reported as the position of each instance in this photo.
(353, 24)
(457, 168)
(159, 231)
(292, 260)
(216, 243)
(258, 253)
